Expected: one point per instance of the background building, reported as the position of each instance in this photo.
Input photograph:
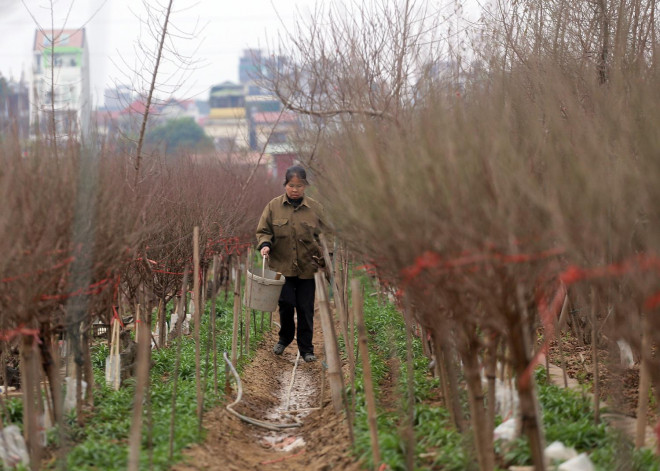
(14, 108)
(61, 83)
(226, 123)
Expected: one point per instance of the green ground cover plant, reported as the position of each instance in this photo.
(102, 444)
(567, 415)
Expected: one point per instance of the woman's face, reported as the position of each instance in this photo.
(295, 188)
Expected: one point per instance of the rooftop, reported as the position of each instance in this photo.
(63, 38)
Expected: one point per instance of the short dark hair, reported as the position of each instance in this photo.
(295, 171)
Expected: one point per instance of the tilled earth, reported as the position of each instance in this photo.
(321, 443)
(619, 386)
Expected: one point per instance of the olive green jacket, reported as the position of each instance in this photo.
(293, 235)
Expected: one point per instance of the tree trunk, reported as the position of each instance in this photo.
(478, 416)
(87, 365)
(30, 386)
(445, 354)
(594, 354)
(644, 380)
(198, 320)
(532, 425)
(410, 380)
(135, 440)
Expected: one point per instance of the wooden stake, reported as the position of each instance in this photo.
(237, 313)
(560, 342)
(356, 289)
(340, 306)
(248, 311)
(644, 386)
(198, 321)
(214, 289)
(330, 340)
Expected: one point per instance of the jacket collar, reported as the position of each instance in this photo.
(285, 200)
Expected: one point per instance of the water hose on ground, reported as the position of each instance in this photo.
(293, 377)
(250, 420)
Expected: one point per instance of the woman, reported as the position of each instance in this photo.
(288, 235)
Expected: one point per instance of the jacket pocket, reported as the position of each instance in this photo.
(281, 227)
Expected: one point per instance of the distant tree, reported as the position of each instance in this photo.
(179, 135)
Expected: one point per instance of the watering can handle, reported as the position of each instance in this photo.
(263, 268)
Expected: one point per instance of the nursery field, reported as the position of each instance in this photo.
(487, 261)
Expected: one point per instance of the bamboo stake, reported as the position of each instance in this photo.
(214, 288)
(237, 313)
(140, 388)
(331, 353)
(594, 353)
(137, 323)
(560, 342)
(644, 386)
(247, 308)
(335, 374)
(340, 306)
(198, 321)
(356, 289)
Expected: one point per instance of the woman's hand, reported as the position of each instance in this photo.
(265, 251)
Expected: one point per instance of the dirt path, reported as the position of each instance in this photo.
(321, 443)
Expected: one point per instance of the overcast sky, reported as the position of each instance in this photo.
(224, 29)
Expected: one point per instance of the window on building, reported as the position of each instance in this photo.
(278, 138)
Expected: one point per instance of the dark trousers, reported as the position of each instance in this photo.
(299, 295)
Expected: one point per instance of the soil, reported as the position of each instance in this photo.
(618, 386)
(321, 443)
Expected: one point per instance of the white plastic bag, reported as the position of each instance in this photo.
(580, 463)
(12, 447)
(156, 336)
(627, 360)
(506, 399)
(173, 321)
(113, 361)
(70, 396)
(559, 452)
(507, 430)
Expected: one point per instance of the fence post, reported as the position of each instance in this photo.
(330, 341)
